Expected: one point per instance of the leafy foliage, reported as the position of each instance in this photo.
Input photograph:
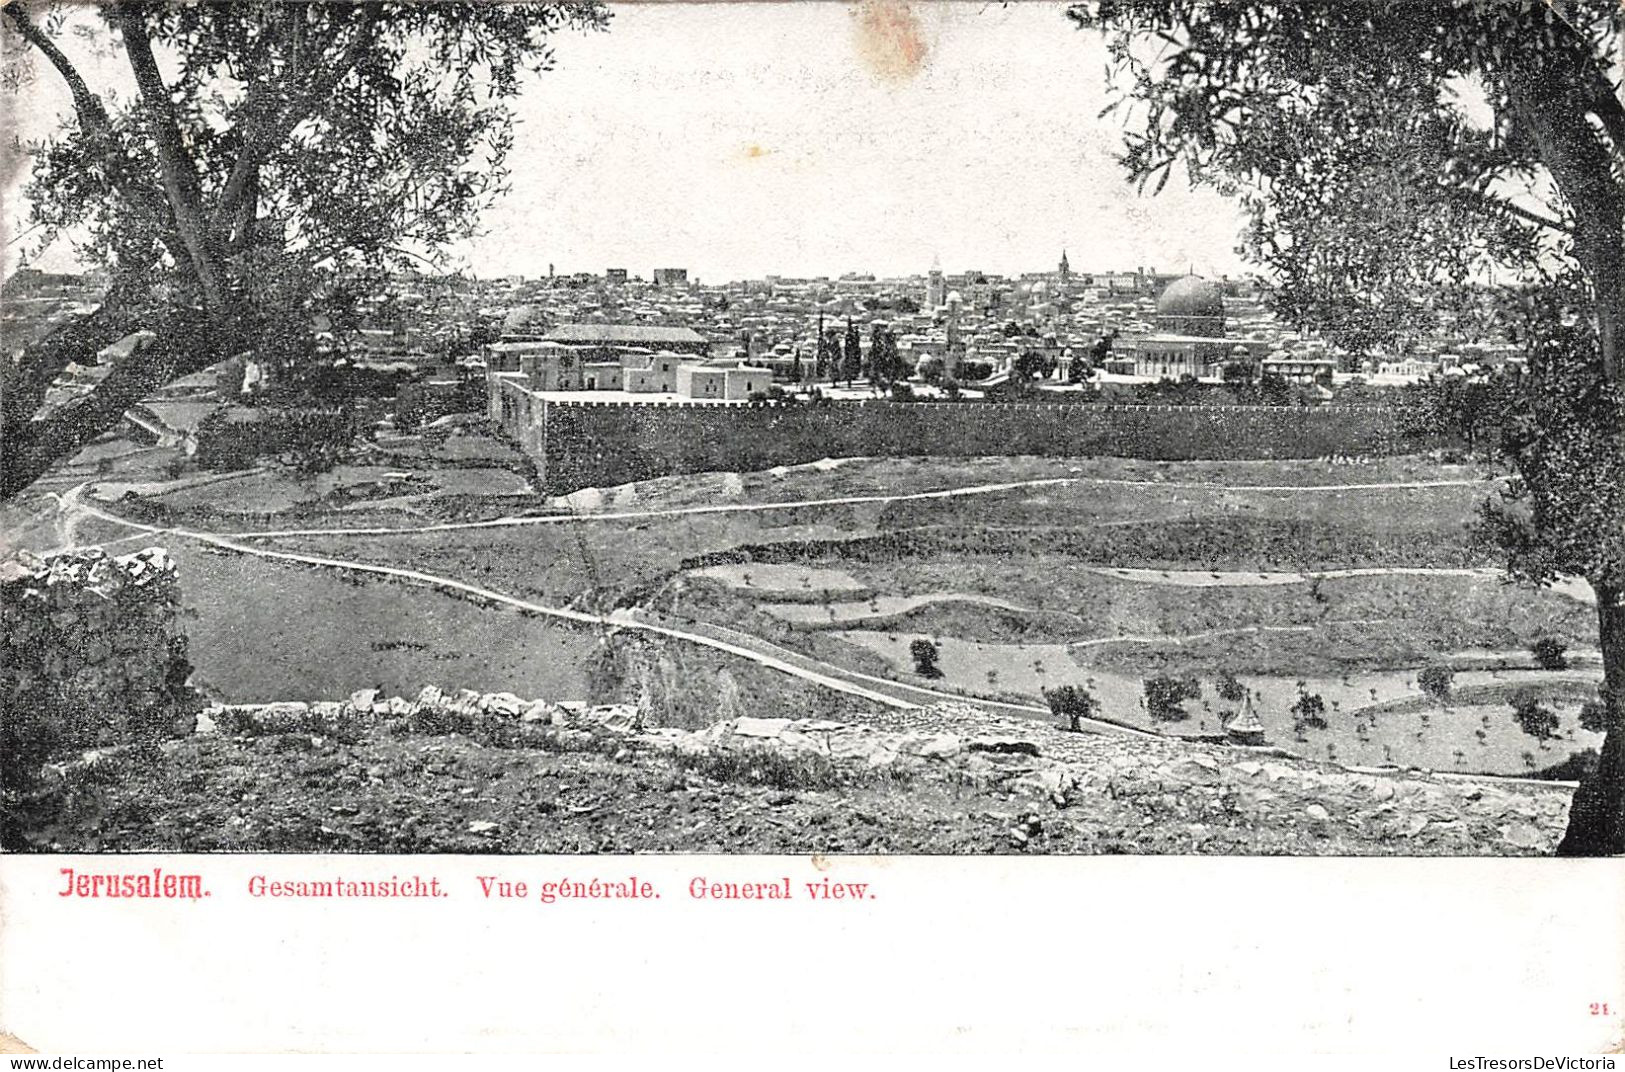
(1456, 407)
(925, 655)
(1072, 704)
(280, 159)
(1534, 717)
(1593, 716)
(1436, 680)
(1165, 697)
(1309, 711)
(1565, 512)
(1388, 149)
(1550, 653)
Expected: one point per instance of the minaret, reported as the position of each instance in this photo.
(935, 291)
(1066, 269)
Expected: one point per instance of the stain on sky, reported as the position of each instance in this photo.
(888, 39)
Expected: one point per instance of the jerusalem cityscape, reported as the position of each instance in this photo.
(393, 464)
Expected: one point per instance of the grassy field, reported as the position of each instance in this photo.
(1121, 571)
(263, 631)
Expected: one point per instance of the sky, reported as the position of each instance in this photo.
(741, 140)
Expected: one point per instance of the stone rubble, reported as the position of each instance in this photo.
(1188, 784)
(91, 648)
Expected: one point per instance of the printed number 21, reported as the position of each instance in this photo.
(1599, 1008)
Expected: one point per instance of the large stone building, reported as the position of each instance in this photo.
(606, 342)
(1189, 338)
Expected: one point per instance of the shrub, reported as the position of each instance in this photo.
(313, 439)
(29, 735)
(1165, 696)
(1309, 711)
(1550, 653)
(1435, 680)
(1532, 716)
(925, 656)
(1594, 716)
(902, 392)
(1230, 689)
(1073, 704)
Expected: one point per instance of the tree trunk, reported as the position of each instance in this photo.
(1597, 815)
(31, 447)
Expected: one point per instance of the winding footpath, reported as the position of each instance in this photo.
(884, 691)
(740, 645)
(843, 500)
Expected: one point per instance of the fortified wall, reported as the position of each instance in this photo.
(91, 652)
(599, 444)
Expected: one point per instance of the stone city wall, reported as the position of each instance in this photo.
(599, 444)
(91, 653)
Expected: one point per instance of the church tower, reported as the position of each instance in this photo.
(1066, 268)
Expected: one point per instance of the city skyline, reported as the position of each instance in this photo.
(716, 139)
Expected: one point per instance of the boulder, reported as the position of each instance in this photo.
(852, 746)
(764, 728)
(799, 743)
(1317, 813)
(1196, 769)
(363, 699)
(1057, 783)
(540, 711)
(930, 745)
(1523, 836)
(502, 704)
(617, 718)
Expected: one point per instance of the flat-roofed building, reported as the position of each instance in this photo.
(734, 383)
(549, 366)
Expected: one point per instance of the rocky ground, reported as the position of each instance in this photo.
(495, 774)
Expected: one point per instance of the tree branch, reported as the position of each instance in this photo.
(26, 380)
(1500, 204)
(96, 123)
(31, 447)
(261, 135)
(180, 178)
(92, 115)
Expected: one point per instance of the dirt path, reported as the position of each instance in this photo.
(844, 500)
(742, 645)
(885, 691)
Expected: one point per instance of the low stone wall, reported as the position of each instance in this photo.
(91, 653)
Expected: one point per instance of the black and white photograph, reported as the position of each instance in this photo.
(1151, 428)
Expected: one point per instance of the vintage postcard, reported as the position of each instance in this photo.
(519, 518)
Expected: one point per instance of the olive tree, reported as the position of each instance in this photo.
(267, 155)
(1493, 126)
